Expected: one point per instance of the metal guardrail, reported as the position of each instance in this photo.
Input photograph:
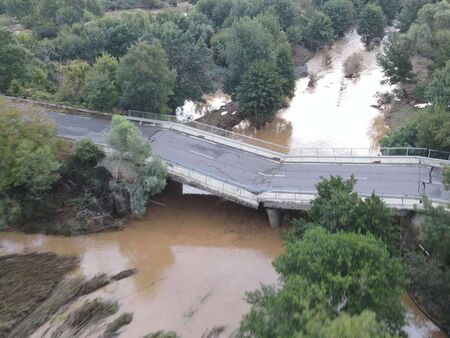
(295, 152)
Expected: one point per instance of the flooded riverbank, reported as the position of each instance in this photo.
(196, 259)
(196, 256)
(337, 111)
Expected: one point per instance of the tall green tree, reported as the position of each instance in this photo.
(438, 91)
(191, 59)
(341, 14)
(356, 271)
(138, 173)
(145, 79)
(371, 24)
(286, 69)
(102, 87)
(408, 13)
(395, 61)
(338, 208)
(73, 82)
(29, 165)
(248, 41)
(261, 92)
(13, 59)
(319, 31)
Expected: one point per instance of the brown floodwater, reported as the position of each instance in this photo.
(336, 112)
(196, 256)
(196, 259)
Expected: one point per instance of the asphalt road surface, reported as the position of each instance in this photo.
(260, 174)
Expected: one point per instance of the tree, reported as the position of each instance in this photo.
(82, 167)
(248, 41)
(428, 128)
(13, 59)
(395, 61)
(260, 94)
(300, 309)
(435, 232)
(356, 271)
(341, 14)
(408, 13)
(390, 7)
(287, 312)
(29, 166)
(102, 91)
(191, 59)
(73, 83)
(338, 208)
(319, 31)
(371, 24)
(438, 90)
(143, 174)
(145, 79)
(286, 69)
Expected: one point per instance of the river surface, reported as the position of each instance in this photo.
(196, 256)
(337, 112)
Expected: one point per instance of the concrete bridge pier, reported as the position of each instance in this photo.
(275, 217)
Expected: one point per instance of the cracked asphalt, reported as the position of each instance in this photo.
(260, 174)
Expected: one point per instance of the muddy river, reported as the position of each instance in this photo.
(336, 112)
(196, 256)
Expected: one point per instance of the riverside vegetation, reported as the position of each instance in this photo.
(50, 185)
(71, 52)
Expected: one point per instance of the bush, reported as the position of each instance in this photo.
(353, 65)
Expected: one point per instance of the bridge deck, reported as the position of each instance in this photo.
(261, 175)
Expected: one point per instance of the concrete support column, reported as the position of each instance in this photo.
(274, 217)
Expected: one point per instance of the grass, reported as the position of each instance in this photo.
(112, 330)
(26, 281)
(87, 315)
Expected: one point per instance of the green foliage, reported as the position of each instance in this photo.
(395, 61)
(337, 208)
(248, 41)
(438, 91)
(435, 232)
(341, 14)
(429, 128)
(73, 81)
(260, 93)
(408, 13)
(190, 58)
(288, 312)
(82, 167)
(356, 271)
(371, 24)
(145, 79)
(429, 279)
(319, 31)
(29, 165)
(446, 175)
(13, 59)
(286, 69)
(300, 309)
(102, 87)
(148, 174)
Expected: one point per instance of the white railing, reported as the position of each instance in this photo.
(284, 152)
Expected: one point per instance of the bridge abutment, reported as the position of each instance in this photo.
(275, 217)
